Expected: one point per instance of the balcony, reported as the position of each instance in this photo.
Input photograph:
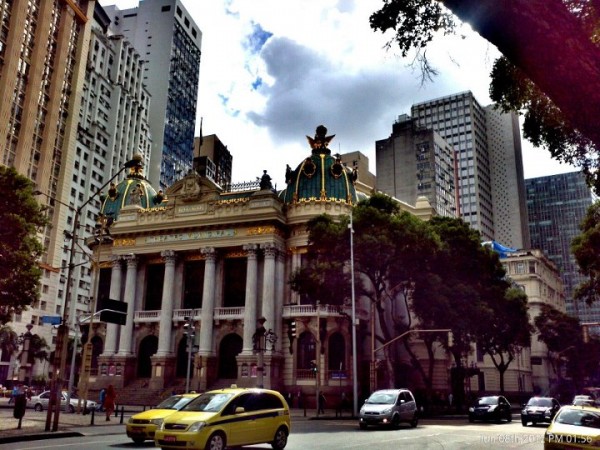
(291, 311)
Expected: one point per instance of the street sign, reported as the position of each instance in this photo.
(112, 311)
(52, 320)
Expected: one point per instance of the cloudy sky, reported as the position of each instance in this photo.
(273, 70)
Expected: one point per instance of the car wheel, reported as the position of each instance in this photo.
(415, 421)
(216, 441)
(38, 407)
(509, 417)
(138, 441)
(280, 439)
(396, 421)
(363, 426)
(524, 422)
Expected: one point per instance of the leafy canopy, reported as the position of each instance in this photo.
(20, 249)
(586, 248)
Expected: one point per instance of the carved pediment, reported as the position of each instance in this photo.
(193, 188)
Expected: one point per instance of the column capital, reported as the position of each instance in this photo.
(271, 249)
(251, 249)
(131, 260)
(115, 261)
(169, 256)
(209, 253)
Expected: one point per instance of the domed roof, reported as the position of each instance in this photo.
(320, 176)
(133, 190)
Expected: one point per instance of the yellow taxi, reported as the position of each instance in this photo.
(574, 427)
(228, 418)
(141, 427)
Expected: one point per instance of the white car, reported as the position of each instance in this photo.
(40, 402)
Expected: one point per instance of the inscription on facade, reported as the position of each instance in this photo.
(124, 242)
(212, 234)
(192, 209)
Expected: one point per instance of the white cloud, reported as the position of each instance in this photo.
(272, 71)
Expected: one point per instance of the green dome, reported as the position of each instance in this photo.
(320, 176)
(133, 190)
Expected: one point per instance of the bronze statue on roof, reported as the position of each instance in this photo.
(321, 141)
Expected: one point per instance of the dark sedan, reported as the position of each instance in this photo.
(539, 409)
(493, 407)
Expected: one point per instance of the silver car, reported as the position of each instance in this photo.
(389, 407)
(40, 402)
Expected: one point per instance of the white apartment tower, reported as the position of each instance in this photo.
(113, 125)
(169, 42)
(483, 139)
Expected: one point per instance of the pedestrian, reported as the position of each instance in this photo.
(101, 398)
(450, 399)
(13, 394)
(321, 404)
(109, 401)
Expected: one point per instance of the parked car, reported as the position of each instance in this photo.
(583, 400)
(539, 409)
(228, 418)
(389, 407)
(574, 427)
(141, 427)
(40, 402)
(492, 407)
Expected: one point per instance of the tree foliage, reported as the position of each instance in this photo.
(20, 249)
(586, 248)
(550, 66)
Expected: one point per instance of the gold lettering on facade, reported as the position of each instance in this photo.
(261, 230)
(194, 235)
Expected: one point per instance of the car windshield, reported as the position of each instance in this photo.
(579, 417)
(539, 402)
(487, 401)
(176, 402)
(382, 398)
(208, 402)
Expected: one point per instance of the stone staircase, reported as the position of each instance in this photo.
(139, 394)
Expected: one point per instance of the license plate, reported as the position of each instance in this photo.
(170, 438)
(136, 431)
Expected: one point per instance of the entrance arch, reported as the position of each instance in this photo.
(182, 359)
(148, 347)
(230, 347)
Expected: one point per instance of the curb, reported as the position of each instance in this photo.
(39, 436)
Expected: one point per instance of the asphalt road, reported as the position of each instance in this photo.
(345, 434)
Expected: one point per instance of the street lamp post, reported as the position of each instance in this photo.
(354, 354)
(260, 339)
(190, 335)
(60, 358)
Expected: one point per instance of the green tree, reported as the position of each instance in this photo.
(508, 331)
(563, 338)
(551, 63)
(20, 249)
(8, 340)
(586, 248)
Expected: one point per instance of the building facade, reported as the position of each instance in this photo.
(169, 42)
(213, 160)
(43, 53)
(556, 206)
(415, 161)
(489, 167)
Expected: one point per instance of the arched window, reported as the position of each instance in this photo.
(337, 352)
(307, 350)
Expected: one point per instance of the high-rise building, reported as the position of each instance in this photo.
(213, 160)
(169, 42)
(43, 53)
(113, 125)
(366, 180)
(415, 161)
(556, 206)
(490, 199)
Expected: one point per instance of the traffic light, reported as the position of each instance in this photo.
(313, 366)
(292, 330)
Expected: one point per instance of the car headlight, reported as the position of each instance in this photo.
(471, 409)
(196, 426)
(130, 420)
(157, 422)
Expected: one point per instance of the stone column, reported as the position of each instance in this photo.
(268, 294)
(251, 299)
(279, 295)
(112, 330)
(130, 285)
(166, 306)
(208, 303)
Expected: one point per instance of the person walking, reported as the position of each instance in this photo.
(321, 402)
(101, 398)
(109, 401)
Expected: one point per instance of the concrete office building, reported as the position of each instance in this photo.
(113, 125)
(556, 206)
(169, 42)
(415, 161)
(482, 138)
(213, 160)
(43, 53)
